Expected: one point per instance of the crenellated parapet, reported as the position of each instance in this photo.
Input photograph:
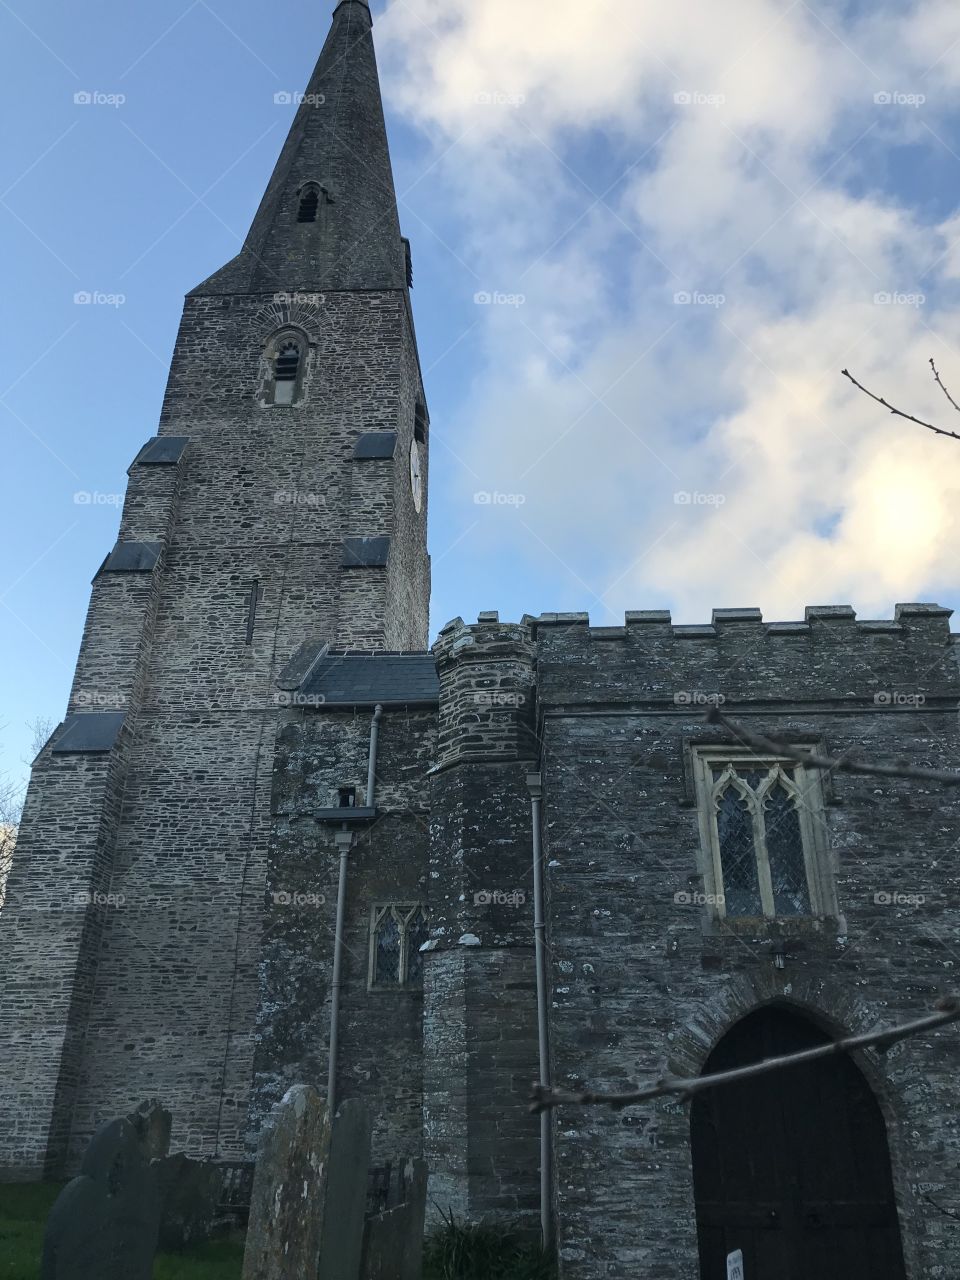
(830, 656)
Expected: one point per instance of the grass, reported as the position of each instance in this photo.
(456, 1252)
(23, 1211)
(471, 1252)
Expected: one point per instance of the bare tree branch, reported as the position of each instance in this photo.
(899, 412)
(832, 764)
(543, 1098)
(942, 387)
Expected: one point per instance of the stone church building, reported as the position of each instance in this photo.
(278, 838)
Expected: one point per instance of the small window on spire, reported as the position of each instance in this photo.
(286, 372)
(309, 203)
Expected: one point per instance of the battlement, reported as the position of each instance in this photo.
(829, 657)
(907, 617)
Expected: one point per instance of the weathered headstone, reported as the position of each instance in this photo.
(346, 1193)
(105, 1223)
(153, 1124)
(287, 1205)
(393, 1240)
(190, 1194)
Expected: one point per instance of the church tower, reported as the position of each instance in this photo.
(280, 508)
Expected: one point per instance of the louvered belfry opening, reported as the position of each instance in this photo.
(309, 204)
(286, 371)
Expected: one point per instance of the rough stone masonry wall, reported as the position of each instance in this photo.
(57, 908)
(642, 979)
(480, 1034)
(264, 495)
(380, 1059)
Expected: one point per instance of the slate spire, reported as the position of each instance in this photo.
(338, 148)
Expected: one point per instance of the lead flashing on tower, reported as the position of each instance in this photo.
(132, 557)
(89, 732)
(375, 444)
(365, 553)
(161, 451)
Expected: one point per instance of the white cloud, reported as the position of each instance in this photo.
(599, 398)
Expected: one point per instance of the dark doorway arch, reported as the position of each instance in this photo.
(792, 1167)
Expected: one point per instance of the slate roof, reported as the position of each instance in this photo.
(364, 679)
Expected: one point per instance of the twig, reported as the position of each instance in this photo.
(940, 384)
(543, 1098)
(832, 764)
(899, 412)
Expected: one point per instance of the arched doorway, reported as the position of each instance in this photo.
(792, 1167)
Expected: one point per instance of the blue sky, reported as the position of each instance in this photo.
(587, 165)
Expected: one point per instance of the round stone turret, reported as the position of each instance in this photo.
(487, 690)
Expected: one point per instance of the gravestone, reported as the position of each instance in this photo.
(153, 1124)
(190, 1195)
(287, 1204)
(105, 1224)
(393, 1240)
(346, 1193)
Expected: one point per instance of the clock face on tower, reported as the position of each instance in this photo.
(416, 475)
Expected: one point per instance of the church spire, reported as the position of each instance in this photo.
(328, 220)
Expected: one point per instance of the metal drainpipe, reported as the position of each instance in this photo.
(535, 785)
(372, 767)
(344, 842)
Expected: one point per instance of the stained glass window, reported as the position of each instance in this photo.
(791, 893)
(417, 934)
(741, 884)
(387, 950)
(762, 839)
(398, 932)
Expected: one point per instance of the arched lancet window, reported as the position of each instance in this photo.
(760, 841)
(397, 932)
(309, 205)
(286, 371)
(765, 844)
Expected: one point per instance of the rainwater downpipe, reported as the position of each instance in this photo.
(535, 786)
(344, 842)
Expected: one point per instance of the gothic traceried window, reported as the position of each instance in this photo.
(397, 932)
(763, 836)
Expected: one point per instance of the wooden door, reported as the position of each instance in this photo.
(792, 1167)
